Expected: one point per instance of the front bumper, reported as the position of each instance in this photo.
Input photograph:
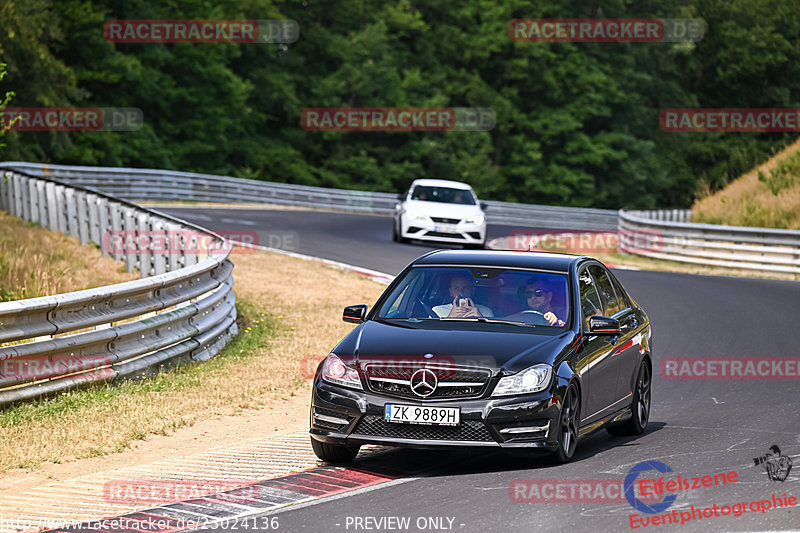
(426, 229)
(345, 416)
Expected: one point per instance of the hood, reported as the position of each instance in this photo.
(494, 346)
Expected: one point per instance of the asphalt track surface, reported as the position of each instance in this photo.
(696, 427)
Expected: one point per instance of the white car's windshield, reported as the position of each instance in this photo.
(444, 195)
(480, 294)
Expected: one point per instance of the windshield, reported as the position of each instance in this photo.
(445, 195)
(481, 295)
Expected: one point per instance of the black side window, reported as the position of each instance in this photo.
(608, 297)
(590, 302)
(624, 303)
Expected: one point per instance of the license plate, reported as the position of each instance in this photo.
(445, 228)
(419, 414)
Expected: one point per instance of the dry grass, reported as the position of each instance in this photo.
(749, 201)
(269, 360)
(37, 262)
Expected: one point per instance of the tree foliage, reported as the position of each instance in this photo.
(577, 123)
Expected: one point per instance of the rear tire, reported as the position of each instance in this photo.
(640, 407)
(334, 453)
(568, 426)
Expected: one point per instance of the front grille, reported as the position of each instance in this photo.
(468, 430)
(446, 220)
(453, 382)
(443, 234)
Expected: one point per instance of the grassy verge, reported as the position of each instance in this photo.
(38, 262)
(768, 196)
(289, 313)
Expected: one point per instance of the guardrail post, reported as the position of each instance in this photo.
(17, 195)
(72, 212)
(83, 217)
(115, 217)
(129, 225)
(41, 201)
(61, 209)
(92, 219)
(190, 247)
(52, 206)
(33, 200)
(4, 191)
(177, 246)
(24, 190)
(166, 238)
(144, 244)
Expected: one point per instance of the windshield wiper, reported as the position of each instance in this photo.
(484, 319)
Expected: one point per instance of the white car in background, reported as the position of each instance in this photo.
(442, 211)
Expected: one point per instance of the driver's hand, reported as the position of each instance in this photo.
(551, 317)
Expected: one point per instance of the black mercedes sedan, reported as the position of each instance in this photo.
(507, 350)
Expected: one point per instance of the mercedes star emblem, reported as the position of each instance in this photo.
(423, 382)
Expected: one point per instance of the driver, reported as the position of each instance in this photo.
(461, 285)
(538, 295)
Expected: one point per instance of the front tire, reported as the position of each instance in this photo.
(334, 453)
(640, 407)
(569, 421)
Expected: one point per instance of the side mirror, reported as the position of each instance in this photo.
(355, 313)
(484, 206)
(401, 197)
(603, 325)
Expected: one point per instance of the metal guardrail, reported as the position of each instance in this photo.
(158, 185)
(182, 310)
(764, 249)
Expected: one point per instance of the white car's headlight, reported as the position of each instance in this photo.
(477, 220)
(415, 215)
(534, 379)
(335, 371)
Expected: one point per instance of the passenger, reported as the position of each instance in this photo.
(461, 285)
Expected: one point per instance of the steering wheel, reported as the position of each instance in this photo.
(540, 319)
(428, 309)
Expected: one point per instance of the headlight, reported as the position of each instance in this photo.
(335, 371)
(477, 220)
(415, 215)
(534, 379)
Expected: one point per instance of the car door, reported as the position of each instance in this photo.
(601, 367)
(629, 324)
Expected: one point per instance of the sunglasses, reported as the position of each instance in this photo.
(537, 293)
